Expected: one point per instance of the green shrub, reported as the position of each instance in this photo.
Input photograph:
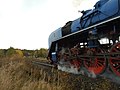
(10, 51)
(2, 52)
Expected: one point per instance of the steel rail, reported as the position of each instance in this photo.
(43, 64)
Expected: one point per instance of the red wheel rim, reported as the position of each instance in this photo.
(95, 65)
(115, 59)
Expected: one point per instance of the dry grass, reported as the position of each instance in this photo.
(16, 75)
(20, 74)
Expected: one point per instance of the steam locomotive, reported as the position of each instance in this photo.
(91, 41)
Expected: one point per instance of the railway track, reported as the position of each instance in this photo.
(42, 63)
(108, 74)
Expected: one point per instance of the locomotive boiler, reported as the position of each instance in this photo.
(91, 41)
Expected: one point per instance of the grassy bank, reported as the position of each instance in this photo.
(20, 74)
(16, 74)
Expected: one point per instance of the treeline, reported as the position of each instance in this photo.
(10, 52)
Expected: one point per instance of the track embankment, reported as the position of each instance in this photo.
(72, 81)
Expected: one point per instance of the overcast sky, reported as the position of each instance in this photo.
(26, 24)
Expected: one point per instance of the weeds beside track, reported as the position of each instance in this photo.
(21, 74)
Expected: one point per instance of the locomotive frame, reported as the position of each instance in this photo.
(95, 47)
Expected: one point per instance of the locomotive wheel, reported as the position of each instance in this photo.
(95, 64)
(76, 63)
(114, 59)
